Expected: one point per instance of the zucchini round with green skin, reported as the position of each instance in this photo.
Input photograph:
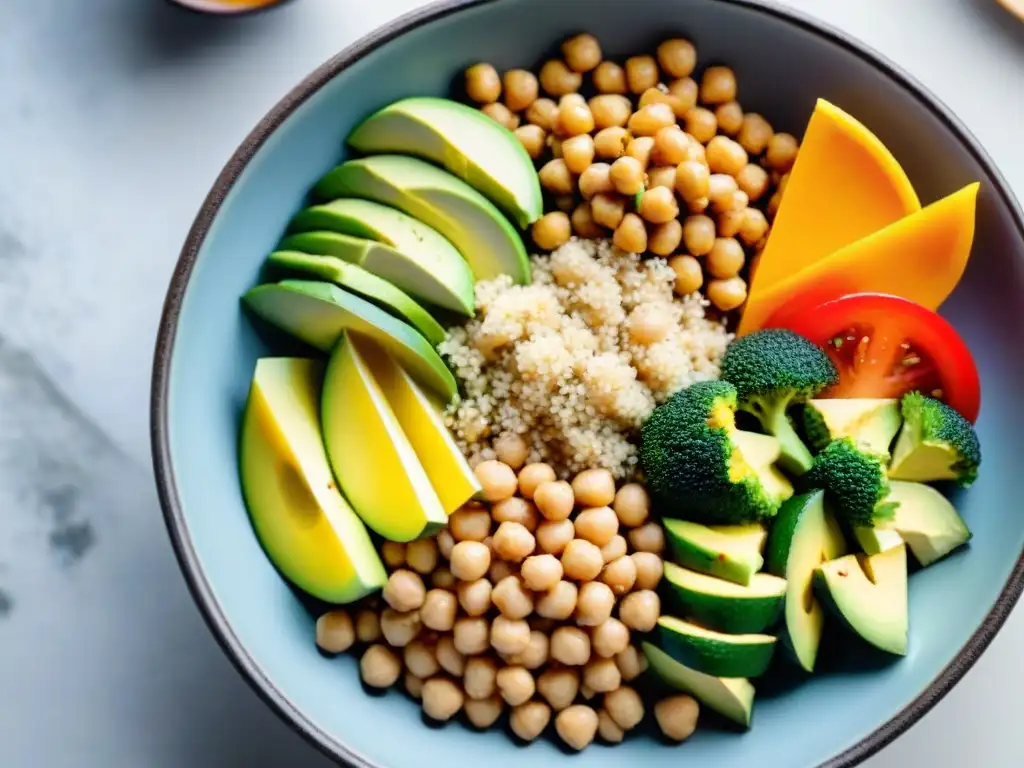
(715, 653)
(724, 606)
(731, 697)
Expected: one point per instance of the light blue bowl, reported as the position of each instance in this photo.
(207, 349)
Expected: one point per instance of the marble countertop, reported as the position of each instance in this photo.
(117, 115)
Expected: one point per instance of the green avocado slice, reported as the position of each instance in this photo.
(872, 423)
(725, 606)
(729, 553)
(715, 653)
(731, 697)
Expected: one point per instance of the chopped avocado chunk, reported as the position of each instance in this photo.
(871, 424)
(358, 280)
(429, 266)
(304, 524)
(936, 443)
(868, 594)
(761, 452)
(749, 536)
(803, 537)
(733, 698)
(715, 653)
(878, 537)
(855, 483)
(481, 233)
(925, 520)
(726, 606)
(699, 548)
(317, 313)
(376, 465)
(465, 142)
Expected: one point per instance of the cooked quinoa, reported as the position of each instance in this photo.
(576, 361)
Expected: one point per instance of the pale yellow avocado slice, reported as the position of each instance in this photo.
(306, 527)
(375, 463)
(421, 421)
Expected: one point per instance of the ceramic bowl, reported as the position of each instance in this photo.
(207, 349)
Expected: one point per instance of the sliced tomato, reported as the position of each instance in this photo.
(885, 346)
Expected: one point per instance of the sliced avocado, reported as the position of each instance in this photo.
(484, 237)
(464, 141)
(872, 423)
(727, 556)
(747, 535)
(803, 536)
(317, 313)
(715, 653)
(725, 606)
(430, 264)
(761, 452)
(926, 521)
(878, 538)
(731, 697)
(306, 527)
(358, 280)
(376, 465)
(869, 596)
(422, 423)
(922, 461)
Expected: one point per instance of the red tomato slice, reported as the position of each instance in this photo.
(886, 346)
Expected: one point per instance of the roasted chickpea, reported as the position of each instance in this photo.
(557, 79)
(631, 662)
(664, 239)
(532, 138)
(671, 145)
(684, 91)
(609, 77)
(729, 223)
(451, 661)
(649, 569)
(559, 603)
(726, 156)
(543, 113)
(368, 627)
(556, 178)
(578, 153)
(480, 677)
(596, 180)
(677, 57)
(511, 599)
(335, 632)
(647, 121)
(501, 114)
(570, 646)
(627, 175)
(689, 275)
(662, 176)
(582, 52)
(726, 258)
(582, 560)
(552, 230)
(610, 638)
(483, 84)
(641, 73)
(574, 119)
(625, 707)
(559, 686)
(727, 294)
(721, 189)
(420, 659)
(754, 226)
(475, 597)
(698, 235)
(595, 604)
(753, 181)
(400, 629)
(677, 716)
(641, 148)
(471, 635)
(718, 85)
(782, 152)
(730, 118)
(701, 124)
(692, 180)
(380, 667)
(755, 133)
(529, 720)
(631, 234)
(659, 96)
(576, 726)
(658, 205)
(610, 144)
(583, 223)
(439, 609)
(521, 89)
(640, 610)
(554, 535)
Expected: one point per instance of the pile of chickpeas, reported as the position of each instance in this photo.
(527, 603)
(664, 164)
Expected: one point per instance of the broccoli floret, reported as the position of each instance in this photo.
(854, 481)
(694, 467)
(936, 443)
(772, 370)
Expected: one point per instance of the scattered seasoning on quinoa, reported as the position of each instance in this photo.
(576, 361)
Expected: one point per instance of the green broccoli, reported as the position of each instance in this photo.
(700, 467)
(773, 369)
(936, 443)
(855, 483)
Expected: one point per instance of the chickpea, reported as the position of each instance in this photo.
(662, 176)
(335, 632)
(614, 549)
(509, 636)
(609, 144)
(583, 223)
(516, 685)
(552, 230)
(581, 560)
(641, 148)
(596, 180)
(727, 294)
(480, 677)
(570, 646)
(500, 114)
(532, 138)
(640, 610)
(718, 85)
(609, 77)
(692, 180)
(554, 535)
(625, 707)
(658, 96)
(557, 79)
(442, 699)
(726, 258)
(471, 635)
(393, 554)
(498, 479)
(541, 572)
(601, 675)
(421, 555)
(664, 239)
(753, 180)
(513, 542)
(649, 537)
(773, 205)
(647, 121)
(677, 716)
(721, 189)
(608, 210)
(619, 575)
(475, 597)
(511, 449)
(671, 145)
(516, 510)
(421, 660)
(380, 667)
(529, 720)
(469, 523)
(595, 604)
(599, 525)
(582, 53)
(368, 627)
(755, 133)
(574, 119)
(631, 234)
(450, 660)
(701, 124)
(413, 685)
(483, 713)
(730, 118)
(445, 543)
(470, 560)
(641, 73)
(689, 276)
(578, 153)
(499, 570)
(782, 151)
(632, 504)
(511, 599)
(587, 693)
(439, 609)
(684, 91)
(627, 175)
(559, 602)
(594, 488)
(736, 202)
(400, 629)
(543, 113)
(754, 226)
(647, 324)
(559, 686)
(532, 475)
(554, 499)
(726, 156)
(649, 569)
(483, 84)
(576, 726)
(556, 178)
(677, 57)
(536, 653)
(404, 591)
(658, 205)
(631, 662)
(607, 728)
(610, 638)
(729, 223)
(698, 235)
(521, 89)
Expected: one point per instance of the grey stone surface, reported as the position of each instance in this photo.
(116, 116)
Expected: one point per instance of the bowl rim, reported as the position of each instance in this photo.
(163, 465)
